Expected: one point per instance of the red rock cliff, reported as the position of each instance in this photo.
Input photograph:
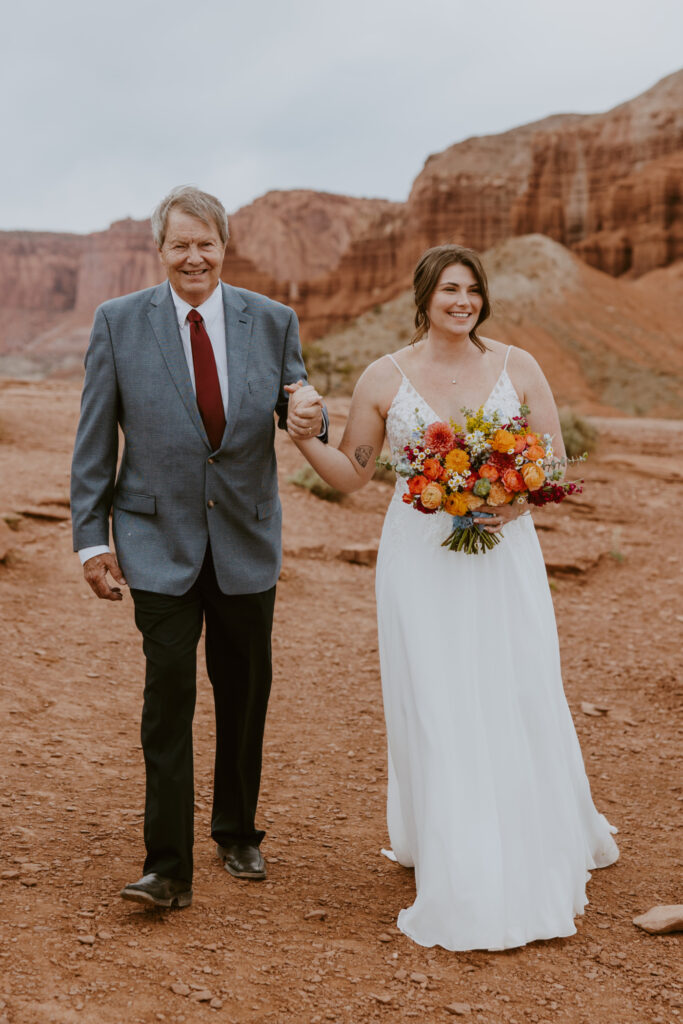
(607, 186)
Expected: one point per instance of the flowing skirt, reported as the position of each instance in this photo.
(488, 797)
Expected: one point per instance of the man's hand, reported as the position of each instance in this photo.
(95, 571)
(304, 414)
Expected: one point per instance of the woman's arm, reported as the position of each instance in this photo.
(349, 467)
(534, 390)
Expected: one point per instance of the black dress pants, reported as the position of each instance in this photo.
(238, 658)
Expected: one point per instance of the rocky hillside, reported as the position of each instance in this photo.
(606, 345)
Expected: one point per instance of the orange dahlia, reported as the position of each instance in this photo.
(439, 438)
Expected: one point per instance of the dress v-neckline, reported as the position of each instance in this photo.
(406, 380)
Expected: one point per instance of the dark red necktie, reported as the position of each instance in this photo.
(209, 398)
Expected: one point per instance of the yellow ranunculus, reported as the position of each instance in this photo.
(456, 504)
(457, 461)
(502, 441)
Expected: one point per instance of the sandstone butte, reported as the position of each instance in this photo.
(606, 186)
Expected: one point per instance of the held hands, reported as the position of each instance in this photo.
(95, 571)
(304, 415)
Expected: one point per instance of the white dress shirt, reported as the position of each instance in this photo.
(213, 315)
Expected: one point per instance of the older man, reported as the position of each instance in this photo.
(192, 372)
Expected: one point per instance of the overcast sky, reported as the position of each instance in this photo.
(105, 106)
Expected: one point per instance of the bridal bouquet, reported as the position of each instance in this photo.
(485, 464)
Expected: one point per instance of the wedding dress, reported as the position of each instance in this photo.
(488, 797)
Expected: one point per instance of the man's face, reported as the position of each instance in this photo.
(192, 255)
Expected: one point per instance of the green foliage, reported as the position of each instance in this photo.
(384, 472)
(326, 370)
(577, 433)
(307, 478)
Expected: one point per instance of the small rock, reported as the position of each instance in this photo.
(383, 937)
(216, 1003)
(28, 882)
(418, 978)
(315, 915)
(594, 710)
(400, 974)
(458, 1009)
(87, 940)
(180, 988)
(359, 556)
(661, 920)
(202, 996)
(382, 997)
(9, 874)
(104, 935)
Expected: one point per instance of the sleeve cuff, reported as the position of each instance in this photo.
(98, 549)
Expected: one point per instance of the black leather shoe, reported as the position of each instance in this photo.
(157, 891)
(243, 860)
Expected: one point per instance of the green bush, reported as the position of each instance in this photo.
(307, 478)
(577, 433)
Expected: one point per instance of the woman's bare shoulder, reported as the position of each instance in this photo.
(492, 345)
(386, 368)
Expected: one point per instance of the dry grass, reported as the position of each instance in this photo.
(307, 478)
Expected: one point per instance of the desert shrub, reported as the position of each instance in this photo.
(383, 473)
(578, 434)
(307, 478)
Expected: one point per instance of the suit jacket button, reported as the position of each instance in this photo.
(211, 460)
(210, 504)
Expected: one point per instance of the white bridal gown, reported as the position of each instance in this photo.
(488, 796)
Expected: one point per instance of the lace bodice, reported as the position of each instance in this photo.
(402, 418)
(408, 405)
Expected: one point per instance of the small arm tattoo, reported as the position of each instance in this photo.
(363, 453)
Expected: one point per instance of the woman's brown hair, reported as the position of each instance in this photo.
(429, 269)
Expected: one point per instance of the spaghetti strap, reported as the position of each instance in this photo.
(397, 366)
(507, 356)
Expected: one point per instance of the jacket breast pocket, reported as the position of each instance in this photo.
(257, 385)
(132, 501)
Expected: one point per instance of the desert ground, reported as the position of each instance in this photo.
(317, 941)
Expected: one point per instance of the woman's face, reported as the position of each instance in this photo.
(455, 303)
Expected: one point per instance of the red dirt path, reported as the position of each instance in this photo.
(72, 777)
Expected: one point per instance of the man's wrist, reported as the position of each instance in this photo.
(97, 549)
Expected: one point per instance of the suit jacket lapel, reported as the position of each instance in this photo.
(162, 316)
(238, 327)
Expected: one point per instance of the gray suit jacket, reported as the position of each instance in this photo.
(172, 493)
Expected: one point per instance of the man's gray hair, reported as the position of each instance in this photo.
(190, 200)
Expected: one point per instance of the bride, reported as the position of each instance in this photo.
(488, 798)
